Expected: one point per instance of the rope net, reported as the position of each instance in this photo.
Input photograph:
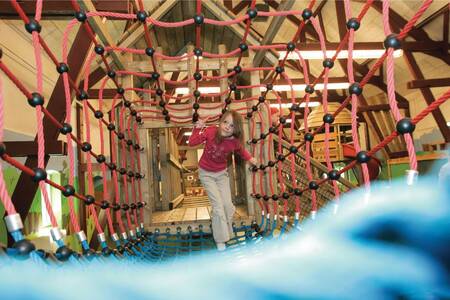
(124, 204)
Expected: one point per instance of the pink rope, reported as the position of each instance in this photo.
(391, 89)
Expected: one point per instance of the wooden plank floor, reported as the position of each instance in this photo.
(186, 215)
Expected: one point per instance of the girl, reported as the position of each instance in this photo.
(219, 143)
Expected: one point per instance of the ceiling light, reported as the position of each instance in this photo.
(343, 54)
(188, 133)
(288, 105)
(203, 90)
(301, 87)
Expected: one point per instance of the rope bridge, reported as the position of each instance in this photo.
(124, 203)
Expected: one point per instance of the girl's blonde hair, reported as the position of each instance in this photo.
(238, 131)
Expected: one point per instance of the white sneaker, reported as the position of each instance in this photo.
(221, 246)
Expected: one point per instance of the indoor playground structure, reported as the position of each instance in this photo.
(344, 106)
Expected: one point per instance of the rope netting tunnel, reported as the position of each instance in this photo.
(124, 203)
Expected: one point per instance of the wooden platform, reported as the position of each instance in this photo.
(194, 211)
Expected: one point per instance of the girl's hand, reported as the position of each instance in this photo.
(200, 124)
(253, 161)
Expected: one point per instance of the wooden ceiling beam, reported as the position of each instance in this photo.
(435, 82)
(433, 16)
(61, 9)
(272, 30)
(428, 96)
(30, 148)
(221, 13)
(240, 6)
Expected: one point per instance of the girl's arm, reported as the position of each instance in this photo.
(197, 137)
(246, 155)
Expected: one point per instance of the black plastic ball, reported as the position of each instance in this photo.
(353, 23)
(228, 101)
(155, 75)
(197, 76)
(306, 14)
(125, 207)
(313, 185)
(328, 63)
(129, 142)
(36, 100)
(309, 137)
(65, 129)
(271, 163)
(282, 120)
(82, 95)
(120, 90)
(23, 249)
(63, 253)
(266, 198)
(149, 51)
(68, 190)
(111, 127)
(252, 13)
(120, 135)
(104, 204)
(138, 119)
(293, 149)
(89, 200)
(285, 195)
(362, 157)
(115, 207)
(165, 112)
(198, 19)
(328, 118)
(334, 175)
(295, 107)
(198, 52)
(81, 16)
(127, 103)
(254, 108)
(101, 158)
(62, 68)
(254, 168)
(237, 69)
(243, 47)
(249, 115)
(269, 86)
(290, 46)
(112, 166)
(167, 118)
(309, 89)
(86, 147)
(99, 49)
(233, 87)
(254, 141)
(297, 192)
(98, 114)
(279, 69)
(274, 197)
(33, 25)
(141, 16)
(262, 136)
(133, 112)
(355, 88)
(39, 174)
(281, 157)
(122, 171)
(159, 92)
(130, 174)
(261, 99)
(405, 125)
(392, 41)
(111, 74)
(133, 206)
(272, 129)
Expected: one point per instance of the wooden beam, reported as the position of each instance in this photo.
(25, 188)
(435, 82)
(240, 6)
(380, 107)
(272, 30)
(221, 13)
(433, 16)
(30, 148)
(61, 9)
(428, 96)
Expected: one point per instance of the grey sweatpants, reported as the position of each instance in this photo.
(217, 186)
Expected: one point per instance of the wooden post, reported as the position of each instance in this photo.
(147, 181)
(166, 180)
